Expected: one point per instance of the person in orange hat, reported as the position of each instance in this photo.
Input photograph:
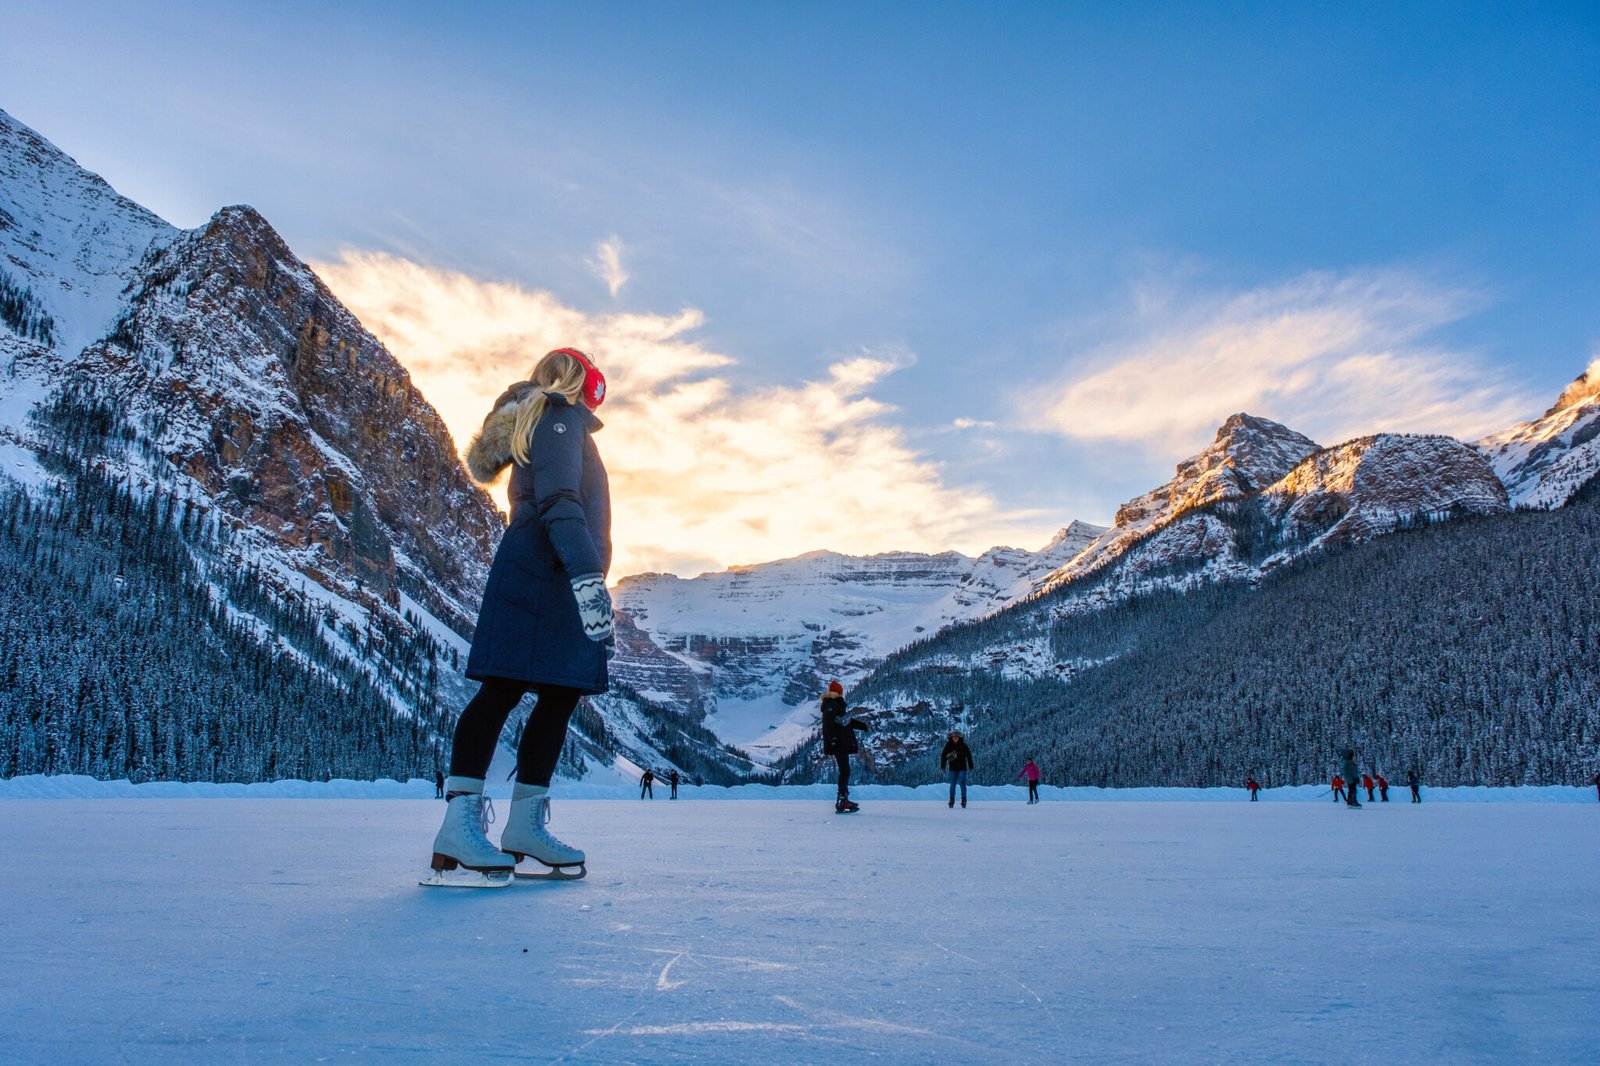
(839, 740)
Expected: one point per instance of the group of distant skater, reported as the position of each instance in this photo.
(648, 779)
(1345, 782)
(955, 760)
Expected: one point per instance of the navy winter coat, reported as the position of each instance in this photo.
(528, 628)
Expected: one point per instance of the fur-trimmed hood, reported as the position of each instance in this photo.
(489, 453)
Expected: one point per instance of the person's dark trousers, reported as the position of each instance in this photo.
(478, 729)
(1338, 795)
(1033, 792)
(1350, 797)
(674, 791)
(1385, 794)
(1252, 795)
(646, 790)
(1370, 796)
(1416, 794)
(844, 773)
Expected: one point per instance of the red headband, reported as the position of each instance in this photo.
(594, 382)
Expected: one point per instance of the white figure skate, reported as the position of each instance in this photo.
(526, 837)
(463, 841)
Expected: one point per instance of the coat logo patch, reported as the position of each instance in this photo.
(559, 427)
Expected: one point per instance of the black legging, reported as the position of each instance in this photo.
(481, 721)
(844, 773)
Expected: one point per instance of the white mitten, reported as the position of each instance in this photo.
(594, 606)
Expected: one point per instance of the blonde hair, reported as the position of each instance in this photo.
(556, 372)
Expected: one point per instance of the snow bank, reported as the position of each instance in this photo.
(74, 786)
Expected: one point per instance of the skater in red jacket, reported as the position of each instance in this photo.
(1338, 789)
(1368, 784)
(1253, 785)
(1383, 788)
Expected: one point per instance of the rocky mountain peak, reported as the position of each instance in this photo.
(1583, 389)
(1543, 462)
(1248, 454)
(1072, 538)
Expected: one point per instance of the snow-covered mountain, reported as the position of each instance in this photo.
(1259, 497)
(212, 366)
(1543, 462)
(751, 647)
(1248, 454)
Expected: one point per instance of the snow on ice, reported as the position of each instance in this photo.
(227, 929)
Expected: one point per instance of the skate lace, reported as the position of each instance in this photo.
(542, 820)
(486, 815)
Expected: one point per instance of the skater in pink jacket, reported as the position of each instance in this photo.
(1031, 772)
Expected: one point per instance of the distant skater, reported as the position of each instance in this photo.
(1416, 786)
(1253, 786)
(957, 759)
(672, 779)
(1383, 789)
(438, 784)
(839, 740)
(1352, 776)
(1031, 772)
(1369, 784)
(645, 784)
(1338, 789)
(1597, 786)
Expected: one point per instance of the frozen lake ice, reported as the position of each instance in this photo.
(247, 930)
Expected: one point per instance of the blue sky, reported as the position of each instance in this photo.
(1053, 245)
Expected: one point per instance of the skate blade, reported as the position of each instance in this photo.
(553, 873)
(466, 879)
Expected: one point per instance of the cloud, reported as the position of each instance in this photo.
(607, 263)
(1331, 356)
(704, 473)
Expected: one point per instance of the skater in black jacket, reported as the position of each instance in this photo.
(1352, 777)
(839, 740)
(672, 779)
(957, 759)
(645, 782)
(1415, 783)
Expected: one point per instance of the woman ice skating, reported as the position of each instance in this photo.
(672, 779)
(646, 780)
(957, 759)
(839, 740)
(1415, 784)
(1252, 786)
(545, 625)
(1369, 784)
(1383, 788)
(1031, 773)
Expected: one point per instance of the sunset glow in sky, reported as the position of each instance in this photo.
(889, 276)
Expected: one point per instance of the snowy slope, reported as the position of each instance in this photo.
(743, 932)
(67, 237)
